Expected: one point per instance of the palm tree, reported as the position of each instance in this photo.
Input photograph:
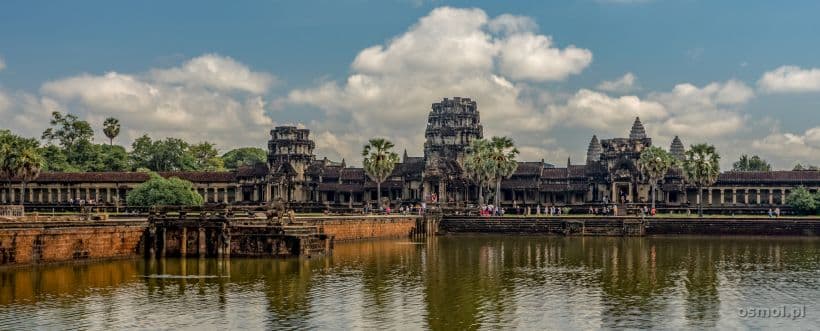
(655, 163)
(502, 161)
(701, 167)
(8, 155)
(476, 165)
(28, 165)
(111, 128)
(379, 162)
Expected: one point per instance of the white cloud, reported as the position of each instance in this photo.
(450, 52)
(625, 83)
(790, 79)
(531, 57)
(709, 111)
(218, 72)
(183, 102)
(599, 111)
(790, 148)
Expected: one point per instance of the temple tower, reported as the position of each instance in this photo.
(594, 150)
(451, 125)
(637, 131)
(290, 152)
(677, 150)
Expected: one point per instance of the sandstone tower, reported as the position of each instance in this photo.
(451, 125)
(290, 152)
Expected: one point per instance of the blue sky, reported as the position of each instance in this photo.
(695, 68)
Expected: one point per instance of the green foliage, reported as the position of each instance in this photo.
(379, 161)
(655, 163)
(502, 161)
(18, 155)
(69, 131)
(206, 157)
(803, 201)
(171, 154)
(701, 167)
(479, 166)
(754, 163)
(111, 128)
(244, 156)
(158, 191)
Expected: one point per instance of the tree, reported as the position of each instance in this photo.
(206, 157)
(158, 191)
(69, 131)
(478, 165)
(244, 156)
(800, 167)
(802, 200)
(701, 167)
(502, 161)
(111, 128)
(754, 163)
(28, 164)
(12, 147)
(655, 163)
(171, 154)
(379, 162)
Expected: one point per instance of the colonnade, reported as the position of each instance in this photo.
(103, 193)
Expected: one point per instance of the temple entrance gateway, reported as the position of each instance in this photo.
(622, 192)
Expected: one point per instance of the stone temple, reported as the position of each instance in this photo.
(610, 174)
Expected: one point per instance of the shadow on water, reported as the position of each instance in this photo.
(461, 282)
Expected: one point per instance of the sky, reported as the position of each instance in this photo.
(742, 75)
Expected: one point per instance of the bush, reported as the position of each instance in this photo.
(159, 191)
(802, 201)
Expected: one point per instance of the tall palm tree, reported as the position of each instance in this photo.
(8, 155)
(111, 128)
(655, 163)
(503, 164)
(379, 162)
(476, 165)
(28, 165)
(701, 167)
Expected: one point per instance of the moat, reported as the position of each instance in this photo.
(443, 282)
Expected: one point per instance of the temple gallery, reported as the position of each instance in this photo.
(610, 174)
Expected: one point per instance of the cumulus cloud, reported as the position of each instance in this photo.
(791, 148)
(209, 98)
(450, 52)
(709, 111)
(625, 83)
(599, 111)
(790, 79)
(218, 72)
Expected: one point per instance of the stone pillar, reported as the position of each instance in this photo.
(183, 242)
(30, 193)
(771, 196)
(734, 196)
(97, 194)
(201, 242)
(710, 196)
(269, 193)
(746, 196)
(59, 194)
(3, 195)
(40, 195)
(225, 195)
(256, 193)
(722, 199)
(237, 193)
(87, 194)
(758, 195)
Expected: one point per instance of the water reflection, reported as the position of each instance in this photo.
(439, 283)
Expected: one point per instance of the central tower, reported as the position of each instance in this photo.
(451, 125)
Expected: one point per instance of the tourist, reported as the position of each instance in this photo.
(538, 210)
(503, 211)
(770, 213)
(777, 212)
(653, 211)
(614, 210)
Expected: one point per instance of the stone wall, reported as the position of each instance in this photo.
(38, 243)
(631, 226)
(364, 227)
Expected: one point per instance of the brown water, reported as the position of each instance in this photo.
(463, 282)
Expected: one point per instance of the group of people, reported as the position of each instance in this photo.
(490, 210)
(774, 213)
(82, 202)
